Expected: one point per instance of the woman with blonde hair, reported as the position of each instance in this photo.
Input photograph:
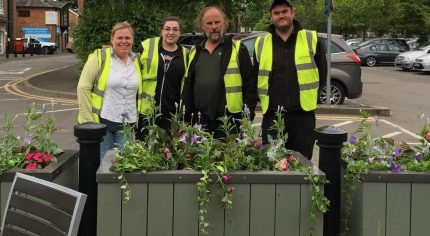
(110, 86)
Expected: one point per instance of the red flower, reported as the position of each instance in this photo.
(31, 166)
(189, 156)
(257, 144)
(292, 157)
(282, 165)
(230, 189)
(47, 157)
(29, 156)
(428, 137)
(38, 157)
(226, 178)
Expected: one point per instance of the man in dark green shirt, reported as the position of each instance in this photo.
(212, 69)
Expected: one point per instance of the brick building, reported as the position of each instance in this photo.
(47, 20)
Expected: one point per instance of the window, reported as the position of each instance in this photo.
(381, 47)
(24, 13)
(1, 8)
(334, 48)
(392, 47)
(1, 42)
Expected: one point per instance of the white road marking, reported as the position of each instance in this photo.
(13, 99)
(343, 123)
(391, 134)
(401, 129)
(9, 78)
(14, 72)
(54, 111)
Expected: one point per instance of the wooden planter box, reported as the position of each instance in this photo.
(63, 172)
(392, 204)
(165, 203)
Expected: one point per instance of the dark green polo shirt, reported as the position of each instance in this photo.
(208, 82)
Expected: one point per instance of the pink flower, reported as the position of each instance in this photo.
(282, 165)
(167, 153)
(31, 166)
(257, 144)
(428, 137)
(226, 178)
(47, 157)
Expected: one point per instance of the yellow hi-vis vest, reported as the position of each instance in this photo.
(232, 79)
(104, 59)
(307, 70)
(149, 60)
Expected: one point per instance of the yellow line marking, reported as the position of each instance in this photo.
(12, 87)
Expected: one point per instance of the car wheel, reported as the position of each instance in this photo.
(370, 61)
(45, 50)
(337, 94)
(406, 69)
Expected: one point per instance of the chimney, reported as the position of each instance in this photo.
(81, 6)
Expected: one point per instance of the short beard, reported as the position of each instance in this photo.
(215, 37)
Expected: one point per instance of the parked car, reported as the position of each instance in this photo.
(353, 42)
(399, 42)
(422, 63)
(45, 47)
(406, 60)
(373, 54)
(345, 69)
(189, 40)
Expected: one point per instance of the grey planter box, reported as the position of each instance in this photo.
(165, 203)
(63, 172)
(391, 204)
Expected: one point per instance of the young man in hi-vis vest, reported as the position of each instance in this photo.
(291, 64)
(218, 79)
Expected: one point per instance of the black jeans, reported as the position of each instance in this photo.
(300, 126)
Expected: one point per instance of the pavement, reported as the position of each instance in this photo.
(62, 83)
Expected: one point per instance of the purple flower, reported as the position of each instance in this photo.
(202, 139)
(396, 168)
(396, 152)
(124, 115)
(198, 126)
(418, 156)
(381, 158)
(28, 140)
(370, 160)
(352, 140)
(184, 138)
(390, 160)
(194, 138)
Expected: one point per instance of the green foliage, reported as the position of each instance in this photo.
(364, 153)
(94, 27)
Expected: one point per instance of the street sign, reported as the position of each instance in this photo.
(328, 7)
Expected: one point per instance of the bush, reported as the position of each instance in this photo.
(93, 28)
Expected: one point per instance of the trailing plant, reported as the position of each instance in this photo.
(363, 153)
(189, 146)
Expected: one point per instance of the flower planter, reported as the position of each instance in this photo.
(165, 203)
(63, 172)
(387, 203)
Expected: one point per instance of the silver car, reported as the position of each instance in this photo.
(406, 60)
(422, 63)
(345, 69)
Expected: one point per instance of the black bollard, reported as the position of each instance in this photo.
(330, 141)
(89, 136)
